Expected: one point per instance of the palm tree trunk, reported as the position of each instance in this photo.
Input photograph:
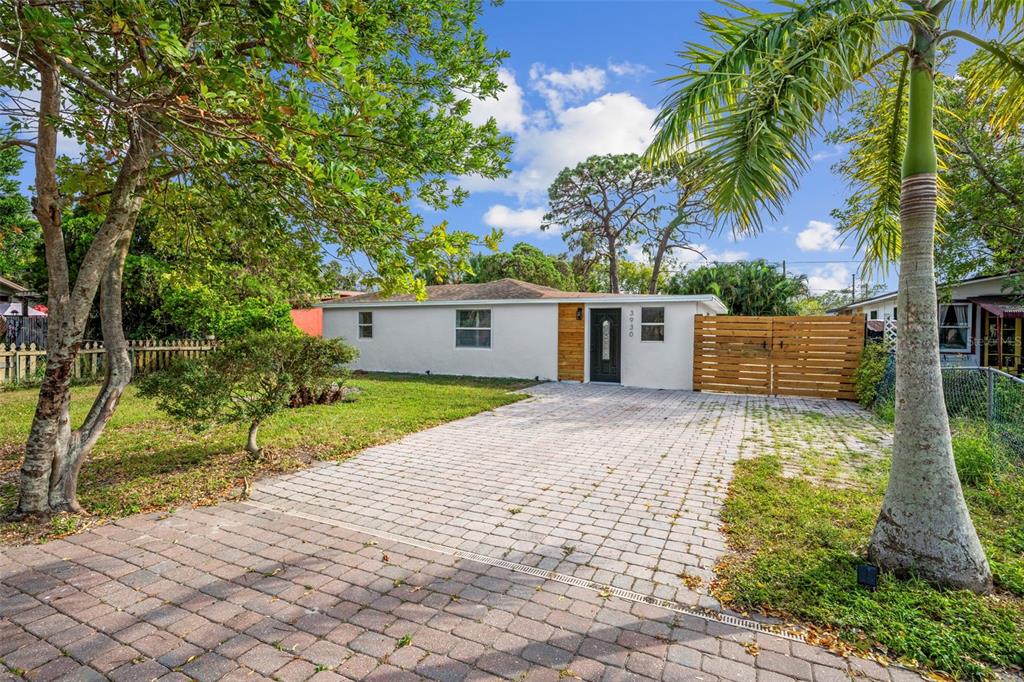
(924, 527)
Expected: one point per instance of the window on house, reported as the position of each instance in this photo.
(894, 313)
(652, 324)
(954, 327)
(473, 328)
(366, 325)
(873, 315)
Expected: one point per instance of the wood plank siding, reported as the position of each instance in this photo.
(570, 341)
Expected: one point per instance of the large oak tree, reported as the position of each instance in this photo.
(334, 115)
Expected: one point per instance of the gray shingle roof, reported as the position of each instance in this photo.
(502, 289)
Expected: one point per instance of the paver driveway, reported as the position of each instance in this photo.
(615, 485)
(284, 587)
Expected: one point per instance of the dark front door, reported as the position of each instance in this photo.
(605, 345)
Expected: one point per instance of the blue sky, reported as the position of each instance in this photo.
(582, 80)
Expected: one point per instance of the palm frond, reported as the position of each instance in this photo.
(996, 15)
(752, 99)
(996, 76)
(873, 168)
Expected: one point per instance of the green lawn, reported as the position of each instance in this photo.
(145, 462)
(798, 539)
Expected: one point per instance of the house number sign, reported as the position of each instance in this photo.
(630, 323)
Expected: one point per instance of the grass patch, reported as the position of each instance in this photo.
(797, 542)
(145, 462)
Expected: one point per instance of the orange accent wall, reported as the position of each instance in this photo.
(309, 320)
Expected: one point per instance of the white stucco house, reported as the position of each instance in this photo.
(980, 321)
(510, 328)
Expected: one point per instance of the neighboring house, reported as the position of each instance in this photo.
(980, 324)
(11, 291)
(510, 328)
(20, 321)
(311, 320)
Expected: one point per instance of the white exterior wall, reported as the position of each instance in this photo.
(421, 338)
(664, 364)
(885, 309)
(960, 293)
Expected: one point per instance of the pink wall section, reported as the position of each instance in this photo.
(309, 320)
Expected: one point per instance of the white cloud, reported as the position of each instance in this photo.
(819, 236)
(614, 123)
(627, 69)
(635, 253)
(508, 109)
(828, 278)
(518, 222)
(834, 152)
(561, 87)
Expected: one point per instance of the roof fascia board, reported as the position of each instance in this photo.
(892, 294)
(712, 301)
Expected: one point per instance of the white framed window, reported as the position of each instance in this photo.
(473, 328)
(652, 324)
(366, 324)
(954, 327)
(873, 315)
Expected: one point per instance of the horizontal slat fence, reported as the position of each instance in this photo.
(816, 356)
(25, 363)
(811, 356)
(732, 354)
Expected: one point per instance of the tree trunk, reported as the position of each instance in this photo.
(251, 446)
(54, 453)
(613, 265)
(659, 255)
(117, 360)
(924, 527)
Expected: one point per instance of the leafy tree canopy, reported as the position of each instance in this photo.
(336, 115)
(524, 262)
(634, 278)
(181, 283)
(19, 232)
(745, 287)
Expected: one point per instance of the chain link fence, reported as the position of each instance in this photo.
(975, 395)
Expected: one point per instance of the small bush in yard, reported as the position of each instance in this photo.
(248, 379)
(869, 373)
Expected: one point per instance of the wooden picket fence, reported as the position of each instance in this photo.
(25, 363)
(812, 356)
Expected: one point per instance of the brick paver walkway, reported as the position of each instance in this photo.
(237, 593)
(276, 591)
(619, 486)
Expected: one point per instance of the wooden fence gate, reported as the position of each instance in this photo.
(812, 356)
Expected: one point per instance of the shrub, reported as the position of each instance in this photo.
(248, 379)
(977, 458)
(869, 373)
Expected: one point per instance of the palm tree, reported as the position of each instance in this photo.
(752, 101)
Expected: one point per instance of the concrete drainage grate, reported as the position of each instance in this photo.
(628, 595)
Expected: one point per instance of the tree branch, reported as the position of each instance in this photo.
(27, 144)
